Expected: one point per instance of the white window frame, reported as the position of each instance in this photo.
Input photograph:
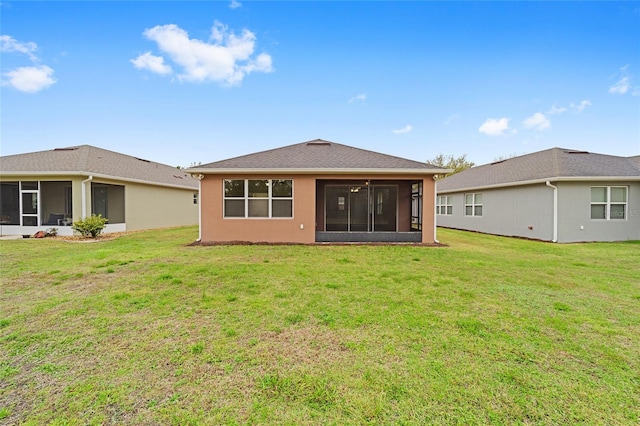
(474, 204)
(30, 191)
(608, 203)
(446, 208)
(246, 200)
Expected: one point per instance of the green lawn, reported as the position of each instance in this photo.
(145, 329)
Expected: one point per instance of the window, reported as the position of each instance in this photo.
(416, 206)
(473, 204)
(266, 198)
(609, 202)
(444, 205)
(195, 198)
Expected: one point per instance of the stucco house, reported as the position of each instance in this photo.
(317, 191)
(51, 189)
(560, 195)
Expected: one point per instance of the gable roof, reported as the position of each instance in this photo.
(88, 160)
(318, 156)
(551, 164)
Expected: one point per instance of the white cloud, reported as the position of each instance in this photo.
(623, 84)
(581, 106)
(556, 110)
(360, 97)
(621, 87)
(227, 58)
(30, 79)
(152, 63)
(451, 119)
(537, 121)
(405, 129)
(493, 127)
(234, 4)
(25, 79)
(9, 44)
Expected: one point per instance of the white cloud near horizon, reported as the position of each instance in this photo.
(494, 127)
(361, 97)
(537, 121)
(234, 4)
(405, 129)
(30, 79)
(226, 58)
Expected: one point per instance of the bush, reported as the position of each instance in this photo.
(91, 226)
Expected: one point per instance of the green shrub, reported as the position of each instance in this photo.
(91, 226)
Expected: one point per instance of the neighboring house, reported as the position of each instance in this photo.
(317, 191)
(51, 189)
(558, 195)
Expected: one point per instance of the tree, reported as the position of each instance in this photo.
(458, 164)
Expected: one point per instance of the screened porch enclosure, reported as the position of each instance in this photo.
(362, 211)
(36, 203)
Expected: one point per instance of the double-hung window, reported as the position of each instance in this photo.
(259, 198)
(609, 202)
(444, 205)
(473, 204)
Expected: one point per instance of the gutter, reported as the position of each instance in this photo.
(199, 177)
(95, 175)
(435, 216)
(84, 196)
(315, 171)
(555, 211)
(544, 180)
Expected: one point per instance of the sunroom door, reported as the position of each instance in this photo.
(384, 208)
(361, 208)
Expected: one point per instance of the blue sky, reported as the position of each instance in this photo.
(187, 82)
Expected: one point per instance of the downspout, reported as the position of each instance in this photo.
(84, 196)
(435, 202)
(555, 212)
(199, 177)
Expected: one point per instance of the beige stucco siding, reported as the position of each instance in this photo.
(149, 206)
(145, 206)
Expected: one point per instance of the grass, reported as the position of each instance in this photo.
(144, 329)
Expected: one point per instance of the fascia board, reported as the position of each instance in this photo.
(318, 171)
(99, 176)
(538, 181)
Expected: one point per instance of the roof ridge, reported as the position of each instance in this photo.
(83, 158)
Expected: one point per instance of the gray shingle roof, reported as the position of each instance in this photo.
(542, 165)
(90, 160)
(317, 155)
